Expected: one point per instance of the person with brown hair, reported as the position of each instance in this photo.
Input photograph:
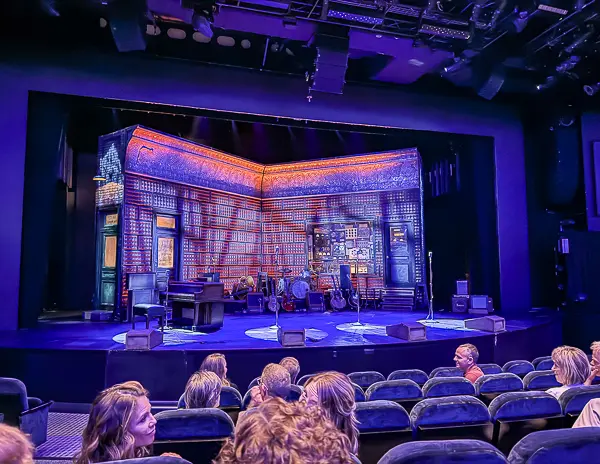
(120, 425)
(571, 368)
(203, 390)
(15, 447)
(293, 367)
(334, 393)
(277, 432)
(216, 363)
(466, 357)
(274, 382)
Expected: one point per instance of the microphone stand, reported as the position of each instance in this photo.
(430, 316)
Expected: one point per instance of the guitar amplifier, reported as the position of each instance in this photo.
(255, 302)
(315, 301)
(460, 303)
(481, 304)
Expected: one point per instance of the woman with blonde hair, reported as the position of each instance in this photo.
(15, 447)
(120, 425)
(334, 393)
(216, 363)
(571, 368)
(203, 390)
(277, 432)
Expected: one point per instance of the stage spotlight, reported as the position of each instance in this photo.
(591, 89)
(203, 17)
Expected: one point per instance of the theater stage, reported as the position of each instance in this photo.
(72, 360)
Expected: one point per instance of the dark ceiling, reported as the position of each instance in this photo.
(508, 48)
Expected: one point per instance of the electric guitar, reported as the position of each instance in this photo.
(337, 300)
(272, 304)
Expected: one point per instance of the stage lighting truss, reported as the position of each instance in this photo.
(386, 16)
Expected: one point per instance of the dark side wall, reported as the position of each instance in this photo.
(131, 78)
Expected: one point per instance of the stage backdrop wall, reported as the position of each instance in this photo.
(238, 217)
(177, 83)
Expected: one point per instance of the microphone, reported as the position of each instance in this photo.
(430, 254)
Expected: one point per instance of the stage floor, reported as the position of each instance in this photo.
(247, 332)
(72, 360)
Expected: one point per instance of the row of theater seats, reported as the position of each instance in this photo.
(385, 423)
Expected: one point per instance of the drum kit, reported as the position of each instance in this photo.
(298, 286)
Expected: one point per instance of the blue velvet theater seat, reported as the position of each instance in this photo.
(382, 424)
(562, 446)
(230, 398)
(519, 367)
(518, 414)
(359, 394)
(543, 363)
(498, 383)
(366, 379)
(29, 414)
(447, 386)
(540, 380)
(293, 394)
(446, 372)
(416, 375)
(490, 368)
(302, 380)
(455, 416)
(574, 399)
(394, 390)
(444, 452)
(254, 383)
(194, 434)
(153, 460)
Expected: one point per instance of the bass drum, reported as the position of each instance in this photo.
(299, 289)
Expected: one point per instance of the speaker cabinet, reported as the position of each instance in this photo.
(291, 337)
(481, 304)
(493, 324)
(411, 331)
(255, 302)
(127, 20)
(460, 303)
(143, 340)
(315, 302)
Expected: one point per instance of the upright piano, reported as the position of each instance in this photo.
(197, 305)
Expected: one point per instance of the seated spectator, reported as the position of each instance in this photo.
(203, 390)
(595, 364)
(334, 393)
(216, 363)
(15, 447)
(120, 425)
(590, 415)
(466, 357)
(274, 383)
(281, 432)
(293, 367)
(571, 368)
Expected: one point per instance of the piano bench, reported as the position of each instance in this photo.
(149, 311)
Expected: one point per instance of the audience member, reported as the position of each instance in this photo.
(216, 363)
(590, 415)
(293, 367)
(571, 368)
(274, 382)
(595, 364)
(120, 425)
(466, 357)
(203, 390)
(280, 432)
(334, 393)
(15, 447)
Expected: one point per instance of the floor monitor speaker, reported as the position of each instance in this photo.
(411, 331)
(493, 324)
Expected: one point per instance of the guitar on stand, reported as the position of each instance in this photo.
(337, 300)
(287, 302)
(430, 316)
